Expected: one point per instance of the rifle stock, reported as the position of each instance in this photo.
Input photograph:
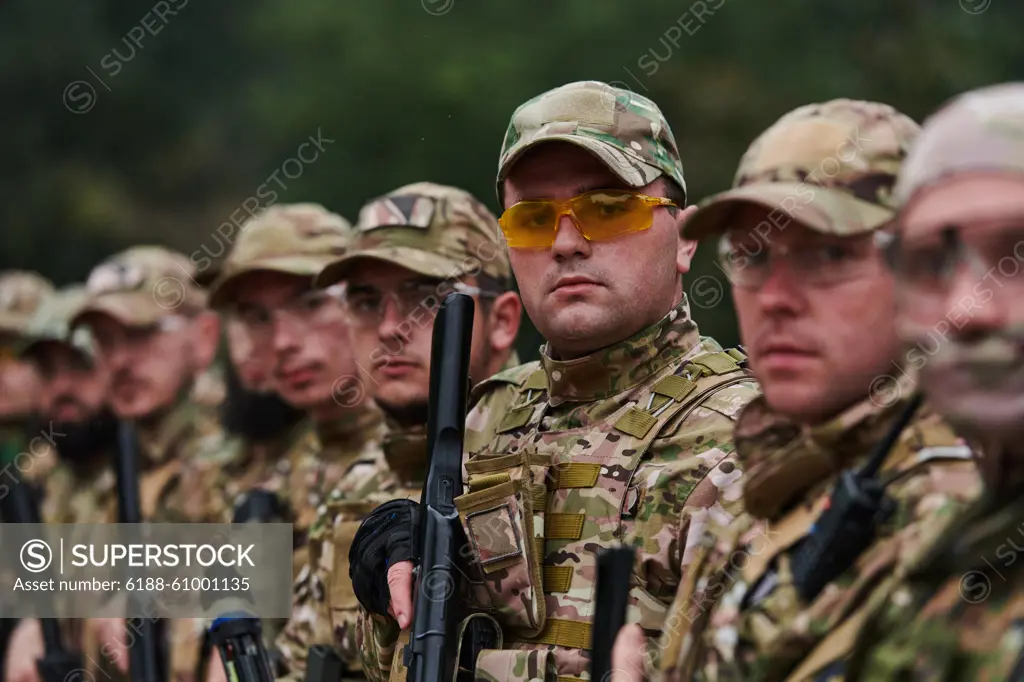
(147, 661)
(430, 655)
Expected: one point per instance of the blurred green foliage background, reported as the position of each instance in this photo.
(138, 122)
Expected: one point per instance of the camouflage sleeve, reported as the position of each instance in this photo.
(309, 623)
(376, 638)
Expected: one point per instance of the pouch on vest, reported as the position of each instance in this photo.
(516, 665)
(505, 529)
(347, 517)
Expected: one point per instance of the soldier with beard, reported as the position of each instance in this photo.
(155, 336)
(21, 294)
(81, 486)
(414, 245)
(958, 613)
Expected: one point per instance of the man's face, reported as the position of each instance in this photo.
(820, 326)
(74, 390)
(149, 367)
(253, 362)
(962, 299)
(395, 338)
(308, 333)
(584, 295)
(20, 384)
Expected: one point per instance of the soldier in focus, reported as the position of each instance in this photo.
(155, 337)
(413, 246)
(21, 294)
(622, 431)
(957, 254)
(815, 306)
(80, 488)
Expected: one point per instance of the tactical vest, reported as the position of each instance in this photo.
(539, 505)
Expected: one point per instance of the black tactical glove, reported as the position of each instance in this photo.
(384, 538)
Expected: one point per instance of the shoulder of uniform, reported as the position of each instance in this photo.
(722, 406)
(511, 377)
(217, 449)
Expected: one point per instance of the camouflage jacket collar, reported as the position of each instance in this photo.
(352, 430)
(405, 451)
(784, 459)
(624, 365)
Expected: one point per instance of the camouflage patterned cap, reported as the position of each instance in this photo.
(21, 294)
(830, 166)
(434, 230)
(981, 130)
(52, 322)
(140, 286)
(626, 131)
(296, 239)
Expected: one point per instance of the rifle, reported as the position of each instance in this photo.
(57, 663)
(430, 654)
(611, 595)
(850, 522)
(147, 657)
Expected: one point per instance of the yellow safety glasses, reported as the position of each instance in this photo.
(598, 215)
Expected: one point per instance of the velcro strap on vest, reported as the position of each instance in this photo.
(736, 354)
(574, 634)
(674, 386)
(563, 526)
(717, 363)
(569, 678)
(636, 423)
(539, 494)
(514, 418)
(488, 480)
(539, 548)
(557, 579)
(538, 381)
(575, 475)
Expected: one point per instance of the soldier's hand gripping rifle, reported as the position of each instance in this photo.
(57, 663)
(430, 655)
(147, 659)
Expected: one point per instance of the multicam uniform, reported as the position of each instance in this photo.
(438, 232)
(958, 611)
(141, 288)
(324, 607)
(739, 615)
(632, 444)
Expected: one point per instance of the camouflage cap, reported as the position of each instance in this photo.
(51, 323)
(981, 130)
(140, 286)
(434, 230)
(21, 294)
(830, 166)
(296, 239)
(626, 131)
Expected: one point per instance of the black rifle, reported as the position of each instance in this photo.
(611, 596)
(430, 655)
(57, 663)
(848, 525)
(147, 656)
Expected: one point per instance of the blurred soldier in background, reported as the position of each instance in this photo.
(815, 304)
(299, 344)
(622, 431)
(21, 294)
(957, 255)
(155, 336)
(81, 487)
(414, 246)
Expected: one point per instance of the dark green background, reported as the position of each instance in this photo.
(212, 104)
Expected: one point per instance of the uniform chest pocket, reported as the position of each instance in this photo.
(503, 519)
